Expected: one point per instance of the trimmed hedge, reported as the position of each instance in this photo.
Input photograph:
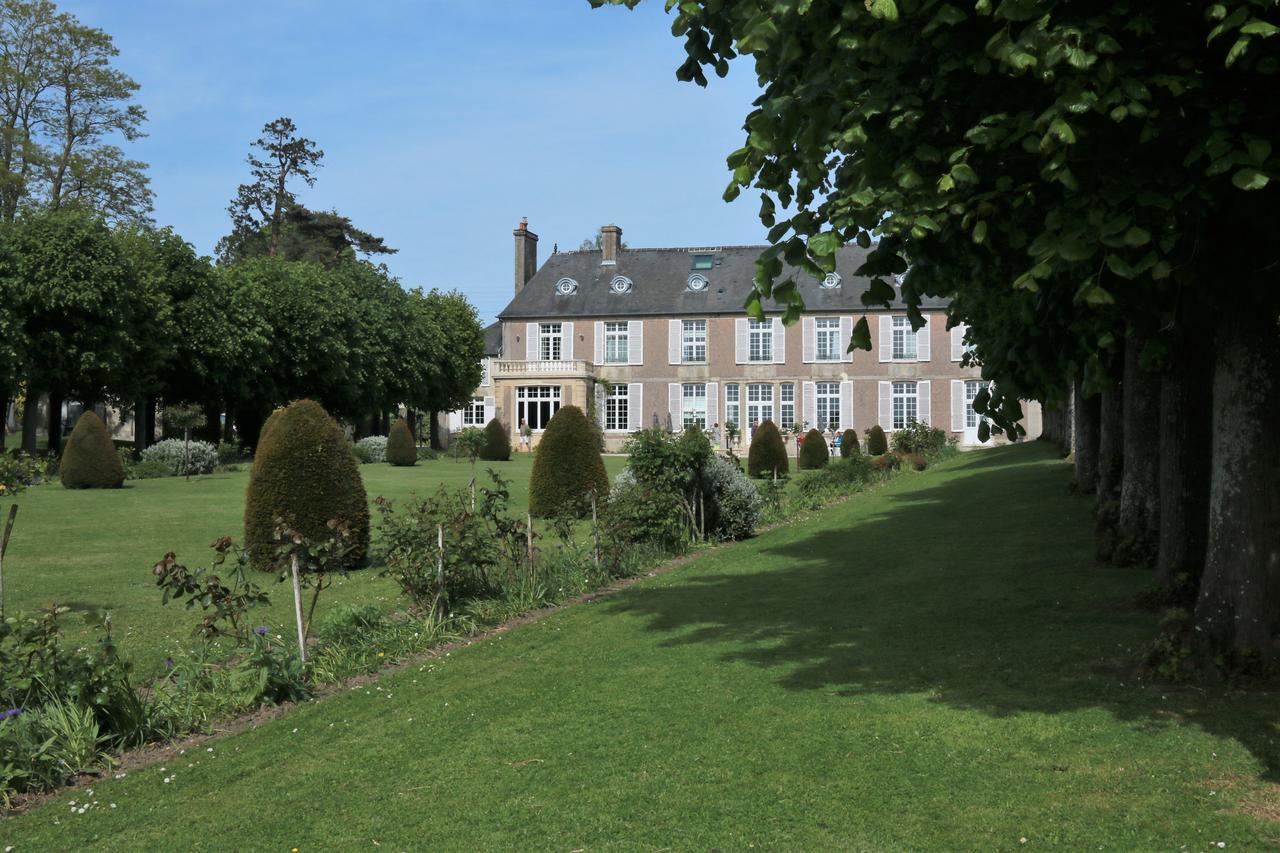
(877, 443)
(849, 444)
(497, 445)
(813, 451)
(89, 459)
(767, 455)
(567, 467)
(402, 450)
(304, 468)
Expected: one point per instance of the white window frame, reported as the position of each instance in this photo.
(617, 342)
(473, 414)
(826, 339)
(733, 405)
(760, 341)
(905, 407)
(693, 405)
(826, 400)
(759, 403)
(529, 400)
(971, 389)
(617, 408)
(693, 342)
(905, 342)
(786, 405)
(550, 341)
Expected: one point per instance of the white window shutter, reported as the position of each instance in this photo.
(886, 406)
(566, 344)
(599, 342)
(600, 395)
(924, 402)
(808, 341)
(741, 343)
(886, 338)
(635, 345)
(846, 335)
(846, 405)
(531, 341)
(779, 341)
(455, 421)
(922, 341)
(673, 341)
(957, 402)
(675, 406)
(957, 341)
(809, 398)
(635, 405)
(490, 408)
(713, 403)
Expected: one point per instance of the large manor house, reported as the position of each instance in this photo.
(659, 337)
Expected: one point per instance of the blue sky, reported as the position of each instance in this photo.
(442, 123)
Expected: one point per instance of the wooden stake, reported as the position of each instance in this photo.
(473, 494)
(595, 530)
(4, 546)
(297, 609)
(528, 532)
(440, 592)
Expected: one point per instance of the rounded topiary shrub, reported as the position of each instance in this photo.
(497, 443)
(877, 444)
(813, 451)
(304, 469)
(89, 459)
(768, 455)
(402, 450)
(848, 444)
(201, 456)
(567, 467)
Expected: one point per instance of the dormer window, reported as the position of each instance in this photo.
(697, 282)
(566, 287)
(703, 262)
(832, 280)
(620, 284)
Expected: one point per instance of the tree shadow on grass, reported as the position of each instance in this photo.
(980, 590)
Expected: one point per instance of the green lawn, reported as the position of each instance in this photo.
(933, 665)
(95, 549)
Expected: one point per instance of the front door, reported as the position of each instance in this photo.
(972, 418)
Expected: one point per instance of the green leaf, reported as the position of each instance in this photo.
(1062, 131)
(824, 244)
(1250, 179)
(980, 231)
(964, 173)
(1237, 50)
(1136, 236)
(1259, 150)
(861, 338)
(884, 9)
(1258, 27)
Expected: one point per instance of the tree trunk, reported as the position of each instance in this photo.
(1138, 527)
(1237, 616)
(1186, 415)
(4, 421)
(55, 423)
(1110, 465)
(151, 419)
(212, 429)
(228, 425)
(1087, 413)
(250, 421)
(31, 422)
(141, 438)
(434, 422)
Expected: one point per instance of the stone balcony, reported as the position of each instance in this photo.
(512, 369)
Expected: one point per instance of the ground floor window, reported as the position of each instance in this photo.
(616, 407)
(473, 413)
(535, 404)
(905, 404)
(971, 389)
(694, 409)
(787, 406)
(827, 405)
(759, 405)
(732, 405)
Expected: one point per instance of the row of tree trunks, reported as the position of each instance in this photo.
(1110, 466)
(1138, 524)
(55, 423)
(31, 423)
(1087, 417)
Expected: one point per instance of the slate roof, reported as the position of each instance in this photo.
(660, 285)
(493, 339)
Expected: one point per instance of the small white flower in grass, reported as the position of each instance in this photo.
(295, 731)
(113, 805)
(210, 749)
(80, 810)
(1221, 844)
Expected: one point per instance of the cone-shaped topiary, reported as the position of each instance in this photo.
(877, 444)
(767, 455)
(813, 451)
(848, 444)
(402, 450)
(89, 460)
(497, 443)
(567, 467)
(303, 468)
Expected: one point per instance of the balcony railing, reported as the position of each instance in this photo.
(508, 369)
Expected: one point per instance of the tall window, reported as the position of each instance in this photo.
(616, 418)
(473, 413)
(787, 408)
(827, 333)
(971, 389)
(732, 405)
(760, 339)
(694, 409)
(617, 343)
(759, 404)
(693, 341)
(535, 404)
(904, 340)
(905, 404)
(549, 341)
(827, 408)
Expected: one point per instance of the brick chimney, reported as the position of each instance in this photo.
(526, 253)
(610, 243)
